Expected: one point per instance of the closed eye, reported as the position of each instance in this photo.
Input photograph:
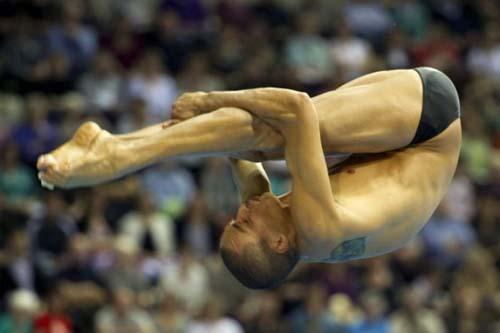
(238, 227)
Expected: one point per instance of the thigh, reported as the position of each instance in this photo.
(375, 113)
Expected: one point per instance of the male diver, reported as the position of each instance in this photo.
(399, 132)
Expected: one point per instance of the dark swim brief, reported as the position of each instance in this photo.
(440, 104)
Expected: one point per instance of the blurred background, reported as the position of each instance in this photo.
(140, 254)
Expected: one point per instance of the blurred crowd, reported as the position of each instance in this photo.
(140, 254)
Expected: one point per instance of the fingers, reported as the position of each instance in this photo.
(187, 105)
(170, 123)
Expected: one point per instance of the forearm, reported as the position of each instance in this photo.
(274, 105)
(250, 178)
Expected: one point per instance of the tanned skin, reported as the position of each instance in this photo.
(372, 203)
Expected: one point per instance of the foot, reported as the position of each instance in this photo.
(86, 159)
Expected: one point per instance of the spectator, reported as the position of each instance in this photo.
(154, 85)
(152, 230)
(123, 315)
(90, 211)
(172, 316)
(102, 87)
(192, 12)
(187, 279)
(197, 232)
(437, 50)
(478, 270)
(340, 279)
(54, 319)
(447, 239)
(197, 75)
(72, 39)
(76, 265)
(375, 319)
(17, 269)
(213, 319)
(396, 51)
(468, 314)
(413, 316)
(228, 51)
(170, 186)
(125, 44)
(51, 232)
(171, 39)
(351, 54)
(124, 272)
(313, 315)
(484, 57)
(412, 17)
(218, 190)
(460, 201)
(35, 135)
(24, 52)
(367, 18)
(23, 307)
(260, 313)
(134, 118)
(307, 54)
(17, 184)
(11, 112)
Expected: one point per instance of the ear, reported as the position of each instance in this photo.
(280, 244)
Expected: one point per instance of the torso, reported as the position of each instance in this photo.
(404, 187)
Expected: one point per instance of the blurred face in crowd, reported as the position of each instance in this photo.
(411, 299)
(18, 244)
(315, 299)
(468, 299)
(152, 65)
(146, 205)
(374, 305)
(56, 301)
(55, 205)
(72, 12)
(10, 157)
(168, 23)
(123, 299)
(308, 23)
(37, 108)
(80, 248)
(104, 64)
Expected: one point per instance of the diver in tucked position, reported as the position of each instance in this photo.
(399, 132)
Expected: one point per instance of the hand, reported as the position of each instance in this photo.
(188, 105)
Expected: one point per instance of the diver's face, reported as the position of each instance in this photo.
(253, 222)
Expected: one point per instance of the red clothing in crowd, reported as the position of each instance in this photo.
(52, 323)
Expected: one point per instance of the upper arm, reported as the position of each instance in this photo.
(312, 200)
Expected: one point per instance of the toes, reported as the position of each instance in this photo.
(46, 184)
(46, 162)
